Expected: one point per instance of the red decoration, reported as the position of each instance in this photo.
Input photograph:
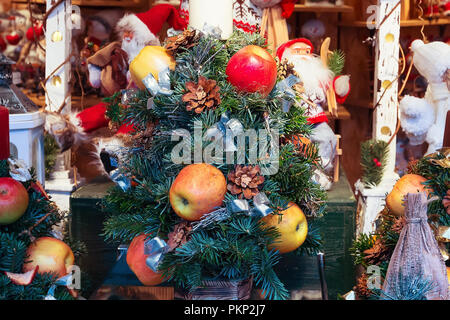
(377, 162)
(3, 44)
(4, 133)
(38, 32)
(13, 38)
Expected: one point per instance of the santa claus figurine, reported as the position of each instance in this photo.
(108, 70)
(317, 79)
(109, 66)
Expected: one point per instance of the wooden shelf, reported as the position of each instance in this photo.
(323, 8)
(405, 23)
(89, 100)
(94, 3)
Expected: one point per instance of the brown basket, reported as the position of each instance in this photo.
(222, 290)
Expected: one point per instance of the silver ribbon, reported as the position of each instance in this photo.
(65, 281)
(226, 130)
(260, 209)
(155, 248)
(289, 95)
(121, 180)
(127, 95)
(162, 86)
(213, 31)
(18, 170)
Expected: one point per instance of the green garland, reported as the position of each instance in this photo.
(373, 162)
(236, 247)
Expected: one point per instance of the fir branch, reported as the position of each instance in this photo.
(336, 62)
(373, 162)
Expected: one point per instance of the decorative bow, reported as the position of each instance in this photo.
(121, 180)
(285, 87)
(261, 208)
(162, 86)
(155, 248)
(213, 31)
(65, 281)
(228, 129)
(18, 170)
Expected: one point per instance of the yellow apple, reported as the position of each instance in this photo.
(151, 59)
(409, 183)
(197, 190)
(51, 255)
(293, 228)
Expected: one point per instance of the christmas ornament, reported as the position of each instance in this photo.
(22, 279)
(136, 260)
(245, 181)
(150, 61)
(416, 253)
(252, 69)
(197, 190)
(13, 200)
(179, 236)
(201, 95)
(36, 32)
(13, 38)
(410, 183)
(292, 226)
(51, 255)
(183, 41)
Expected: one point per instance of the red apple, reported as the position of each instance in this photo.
(13, 200)
(252, 69)
(51, 255)
(136, 261)
(197, 190)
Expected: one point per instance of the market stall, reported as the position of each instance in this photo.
(214, 149)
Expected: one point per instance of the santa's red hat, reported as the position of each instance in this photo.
(146, 25)
(284, 46)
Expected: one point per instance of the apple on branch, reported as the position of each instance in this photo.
(197, 190)
(293, 228)
(13, 200)
(252, 69)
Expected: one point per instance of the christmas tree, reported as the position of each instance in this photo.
(240, 236)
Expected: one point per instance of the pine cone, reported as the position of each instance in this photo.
(185, 40)
(201, 95)
(179, 236)
(398, 225)
(446, 202)
(245, 181)
(377, 254)
(144, 138)
(361, 288)
(285, 69)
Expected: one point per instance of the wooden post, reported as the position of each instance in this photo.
(385, 115)
(57, 69)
